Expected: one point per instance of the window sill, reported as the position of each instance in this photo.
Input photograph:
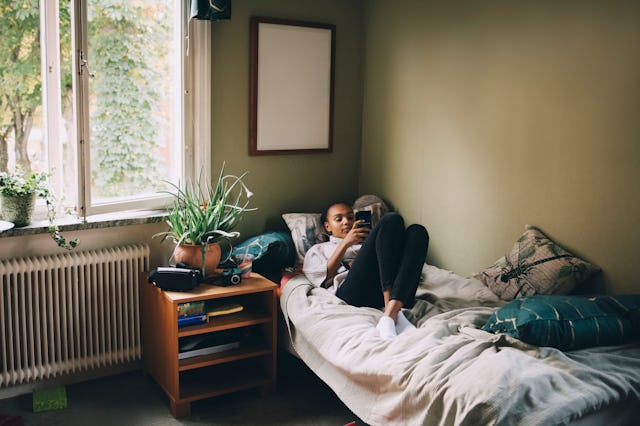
(93, 222)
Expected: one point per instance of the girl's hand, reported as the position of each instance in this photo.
(357, 234)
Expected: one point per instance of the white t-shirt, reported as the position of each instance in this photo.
(316, 259)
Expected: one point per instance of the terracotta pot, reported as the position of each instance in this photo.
(192, 256)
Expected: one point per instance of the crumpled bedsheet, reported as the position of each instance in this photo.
(448, 371)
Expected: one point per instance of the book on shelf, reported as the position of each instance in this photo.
(192, 319)
(218, 309)
(210, 343)
(191, 308)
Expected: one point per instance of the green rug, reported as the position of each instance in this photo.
(49, 399)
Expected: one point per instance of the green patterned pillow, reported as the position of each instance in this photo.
(535, 265)
(569, 322)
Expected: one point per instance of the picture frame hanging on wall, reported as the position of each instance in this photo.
(292, 70)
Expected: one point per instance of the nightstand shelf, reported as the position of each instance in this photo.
(240, 319)
(251, 365)
(223, 357)
(222, 379)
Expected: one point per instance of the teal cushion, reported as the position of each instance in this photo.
(569, 322)
(272, 252)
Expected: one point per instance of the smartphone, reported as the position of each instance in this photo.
(364, 215)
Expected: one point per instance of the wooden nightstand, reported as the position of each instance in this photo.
(251, 365)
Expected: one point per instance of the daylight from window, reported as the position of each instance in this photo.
(111, 132)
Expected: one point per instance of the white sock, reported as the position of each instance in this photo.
(387, 328)
(403, 324)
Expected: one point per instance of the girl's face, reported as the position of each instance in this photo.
(340, 219)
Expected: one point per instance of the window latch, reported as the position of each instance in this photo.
(84, 64)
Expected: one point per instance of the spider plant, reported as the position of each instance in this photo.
(203, 213)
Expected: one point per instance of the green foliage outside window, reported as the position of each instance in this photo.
(20, 82)
(127, 44)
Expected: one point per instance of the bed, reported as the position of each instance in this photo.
(511, 345)
(449, 371)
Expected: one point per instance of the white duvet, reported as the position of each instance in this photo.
(448, 371)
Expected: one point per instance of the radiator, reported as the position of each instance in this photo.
(69, 313)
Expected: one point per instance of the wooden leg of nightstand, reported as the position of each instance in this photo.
(180, 408)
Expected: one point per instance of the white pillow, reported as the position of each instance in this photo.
(306, 231)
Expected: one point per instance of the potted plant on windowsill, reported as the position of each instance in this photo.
(202, 215)
(18, 192)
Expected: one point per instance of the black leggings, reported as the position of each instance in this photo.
(391, 257)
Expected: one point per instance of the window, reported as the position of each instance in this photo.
(98, 93)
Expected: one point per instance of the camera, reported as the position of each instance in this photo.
(229, 277)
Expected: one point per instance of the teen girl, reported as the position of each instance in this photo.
(370, 267)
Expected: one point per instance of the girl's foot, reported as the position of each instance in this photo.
(403, 324)
(387, 328)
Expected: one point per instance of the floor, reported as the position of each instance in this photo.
(134, 399)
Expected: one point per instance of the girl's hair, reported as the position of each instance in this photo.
(323, 216)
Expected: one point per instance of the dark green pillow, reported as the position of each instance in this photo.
(569, 322)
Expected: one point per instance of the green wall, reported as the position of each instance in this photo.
(481, 117)
(287, 183)
(472, 118)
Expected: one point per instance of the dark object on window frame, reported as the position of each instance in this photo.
(211, 10)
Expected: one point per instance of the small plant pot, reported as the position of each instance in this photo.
(192, 255)
(17, 208)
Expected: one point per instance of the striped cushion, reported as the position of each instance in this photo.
(569, 322)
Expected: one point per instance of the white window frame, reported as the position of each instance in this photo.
(198, 102)
(51, 90)
(196, 107)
